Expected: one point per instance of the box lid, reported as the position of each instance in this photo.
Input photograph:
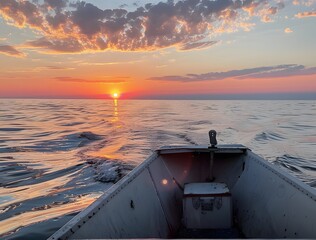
(205, 189)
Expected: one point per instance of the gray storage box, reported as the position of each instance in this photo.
(207, 206)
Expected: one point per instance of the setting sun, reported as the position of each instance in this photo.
(115, 95)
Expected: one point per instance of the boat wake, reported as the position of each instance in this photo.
(109, 171)
(268, 136)
(302, 168)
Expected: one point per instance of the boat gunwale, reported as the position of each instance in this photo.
(227, 148)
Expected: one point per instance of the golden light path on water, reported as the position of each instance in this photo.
(47, 212)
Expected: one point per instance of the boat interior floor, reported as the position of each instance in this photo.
(231, 233)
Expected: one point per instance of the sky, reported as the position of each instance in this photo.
(200, 49)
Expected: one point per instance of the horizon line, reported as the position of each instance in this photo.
(246, 96)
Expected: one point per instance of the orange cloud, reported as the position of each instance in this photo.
(288, 30)
(20, 13)
(263, 10)
(306, 14)
(82, 27)
(304, 2)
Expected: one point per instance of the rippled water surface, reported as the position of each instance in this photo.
(58, 156)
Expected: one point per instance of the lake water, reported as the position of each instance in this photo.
(58, 156)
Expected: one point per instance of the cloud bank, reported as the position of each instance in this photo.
(250, 73)
(10, 51)
(74, 27)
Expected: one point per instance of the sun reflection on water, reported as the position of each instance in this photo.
(115, 111)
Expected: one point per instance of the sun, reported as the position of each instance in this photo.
(115, 95)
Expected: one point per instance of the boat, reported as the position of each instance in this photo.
(200, 191)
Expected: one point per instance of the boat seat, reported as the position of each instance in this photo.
(207, 205)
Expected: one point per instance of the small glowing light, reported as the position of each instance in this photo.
(115, 95)
(164, 181)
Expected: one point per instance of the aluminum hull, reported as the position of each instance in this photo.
(147, 203)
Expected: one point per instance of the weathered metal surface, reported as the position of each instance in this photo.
(124, 216)
(187, 167)
(169, 193)
(111, 216)
(207, 206)
(269, 203)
